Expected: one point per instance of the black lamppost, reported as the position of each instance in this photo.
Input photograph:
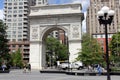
(105, 17)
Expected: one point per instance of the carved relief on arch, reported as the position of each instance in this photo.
(34, 31)
(75, 29)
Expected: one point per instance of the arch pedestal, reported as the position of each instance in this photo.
(42, 21)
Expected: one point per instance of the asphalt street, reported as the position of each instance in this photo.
(36, 75)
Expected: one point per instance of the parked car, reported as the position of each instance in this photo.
(75, 65)
(64, 66)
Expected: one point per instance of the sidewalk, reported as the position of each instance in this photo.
(36, 75)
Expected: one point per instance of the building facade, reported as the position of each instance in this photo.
(94, 28)
(17, 19)
(41, 2)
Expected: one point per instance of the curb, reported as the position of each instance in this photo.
(78, 73)
(6, 71)
(48, 71)
(91, 73)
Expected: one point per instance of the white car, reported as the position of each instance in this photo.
(75, 65)
(64, 66)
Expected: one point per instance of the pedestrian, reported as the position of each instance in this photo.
(99, 69)
(4, 67)
(24, 68)
(29, 67)
(89, 68)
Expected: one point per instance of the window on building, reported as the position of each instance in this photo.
(20, 19)
(9, 11)
(13, 36)
(20, 46)
(14, 32)
(20, 7)
(15, 3)
(14, 28)
(14, 15)
(20, 15)
(20, 3)
(13, 46)
(19, 36)
(9, 7)
(15, 11)
(8, 36)
(19, 28)
(19, 39)
(9, 4)
(9, 16)
(20, 11)
(14, 24)
(19, 24)
(9, 19)
(15, 7)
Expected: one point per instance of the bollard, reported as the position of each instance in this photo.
(75, 74)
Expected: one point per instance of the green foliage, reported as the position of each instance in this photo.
(16, 59)
(115, 44)
(61, 52)
(4, 50)
(91, 51)
(55, 46)
(115, 49)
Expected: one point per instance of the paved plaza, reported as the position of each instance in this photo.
(36, 75)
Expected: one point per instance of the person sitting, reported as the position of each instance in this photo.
(4, 67)
(99, 69)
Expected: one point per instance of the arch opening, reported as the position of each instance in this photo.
(54, 47)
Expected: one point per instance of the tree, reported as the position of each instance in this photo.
(115, 48)
(115, 44)
(16, 59)
(4, 50)
(59, 50)
(91, 51)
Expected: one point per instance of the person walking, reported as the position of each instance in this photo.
(24, 68)
(29, 67)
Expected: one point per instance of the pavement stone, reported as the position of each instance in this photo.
(36, 75)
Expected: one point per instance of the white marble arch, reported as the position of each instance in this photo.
(44, 19)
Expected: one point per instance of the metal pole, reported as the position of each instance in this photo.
(107, 54)
(68, 54)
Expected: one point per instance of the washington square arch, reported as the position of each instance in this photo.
(44, 19)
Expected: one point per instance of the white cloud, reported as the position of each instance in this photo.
(1, 14)
(84, 22)
(85, 5)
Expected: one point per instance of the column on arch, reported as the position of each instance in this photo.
(75, 34)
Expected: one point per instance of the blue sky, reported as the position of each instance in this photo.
(59, 1)
(1, 4)
(84, 2)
